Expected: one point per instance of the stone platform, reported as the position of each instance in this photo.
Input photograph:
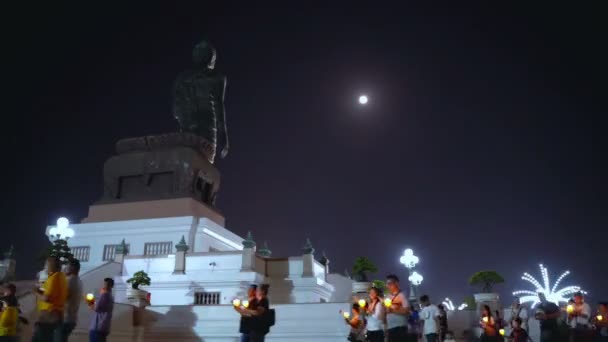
(165, 166)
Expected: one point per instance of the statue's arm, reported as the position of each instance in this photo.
(222, 124)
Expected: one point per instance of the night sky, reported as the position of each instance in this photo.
(482, 146)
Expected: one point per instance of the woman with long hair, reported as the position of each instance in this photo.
(488, 324)
(356, 322)
(376, 314)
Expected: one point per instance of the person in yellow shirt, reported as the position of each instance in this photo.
(51, 301)
(9, 315)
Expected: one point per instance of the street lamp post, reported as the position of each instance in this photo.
(61, 231)
(409, 260)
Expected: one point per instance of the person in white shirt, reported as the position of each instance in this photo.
(397, 312)
(430, 315)
(72, 303)
(376, 313)
(579, 318)
(519, 311)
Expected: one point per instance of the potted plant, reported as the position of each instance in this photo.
(134, 293)
(361, 268)
(486, 280)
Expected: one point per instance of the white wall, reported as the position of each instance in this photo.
(297, 323)
(343, 287)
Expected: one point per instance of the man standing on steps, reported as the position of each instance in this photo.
(101, 320)
(396, 318)
(72, 303)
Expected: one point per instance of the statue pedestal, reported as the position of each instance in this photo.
(166, 166)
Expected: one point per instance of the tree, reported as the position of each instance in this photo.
(380, 284)
(58, 249)
(140, 278)
(487, 280)
(362, 267)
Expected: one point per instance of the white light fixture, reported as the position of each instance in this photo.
(62, 230)
(409, 259)
(551, 293)
(447, 303)
(363, 99)
(416, 278)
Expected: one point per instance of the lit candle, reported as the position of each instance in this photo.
(388, 302)
(501, 332)
(485, 319)
(570, 308)
(245, 303)
(362, 302)
(599, 317)
(89, 297)
(346, 315)
(236, 302)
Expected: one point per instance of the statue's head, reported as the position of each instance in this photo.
(204, 55)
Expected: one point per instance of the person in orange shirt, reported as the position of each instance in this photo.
(51, 301)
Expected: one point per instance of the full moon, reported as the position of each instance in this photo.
(363, 99)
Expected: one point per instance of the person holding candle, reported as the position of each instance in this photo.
(246, 322)
(356, 323)
(579, 319)
(51, 301)
(259, 326)
(376, 314)
(72, 303)
(488, 324)
(101, 321)
(601, 322)
(397, 312)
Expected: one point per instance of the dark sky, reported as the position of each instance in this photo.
(482, 146)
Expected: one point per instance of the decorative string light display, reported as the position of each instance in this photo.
(552, 293)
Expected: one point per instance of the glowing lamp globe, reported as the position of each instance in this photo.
(485, 319)
(408, 259)
(245, 303)
(599, 317)
(570, 308)
(62, 230)
(388, 302)
(362, 302)
(90, 297)
(346, 315)
(501, 332)
(415, 278)
(236, 302)
(363, 99)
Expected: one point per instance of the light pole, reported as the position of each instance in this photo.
(409, 260)
(61, 231)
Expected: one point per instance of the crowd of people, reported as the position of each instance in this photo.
(390, 317)
(58, 303)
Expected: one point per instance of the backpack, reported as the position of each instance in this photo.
(270, 318)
